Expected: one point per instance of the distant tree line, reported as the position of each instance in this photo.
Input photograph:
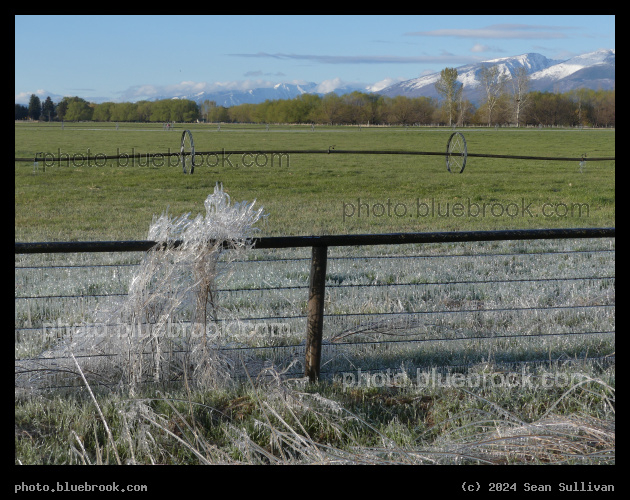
(77, 109)
(579, 107)
(501, 106)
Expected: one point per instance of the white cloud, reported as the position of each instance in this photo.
(479, 48)
(364, 59)
(25, 97)
(329, 85)
(501, 31)
(188, 87)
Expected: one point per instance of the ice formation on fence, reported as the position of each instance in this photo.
(177, 278)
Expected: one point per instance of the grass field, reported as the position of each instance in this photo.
(311, 194)
(530, 288)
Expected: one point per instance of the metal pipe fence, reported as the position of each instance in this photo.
(376, 305)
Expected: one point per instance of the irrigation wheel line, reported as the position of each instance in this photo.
(456, 154)
(187, 149)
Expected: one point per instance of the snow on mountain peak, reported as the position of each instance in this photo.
(570, 66)
(593, 70)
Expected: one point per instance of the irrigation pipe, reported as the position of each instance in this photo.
(331, 150)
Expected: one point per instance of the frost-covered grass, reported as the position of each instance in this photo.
(356, 415)
(417, 305)
(565, 415)
(277, 422)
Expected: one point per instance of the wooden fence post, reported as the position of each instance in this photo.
(315, 313)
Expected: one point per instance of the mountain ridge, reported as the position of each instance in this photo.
(591, 70)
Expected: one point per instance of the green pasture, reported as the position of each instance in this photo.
(309, 194)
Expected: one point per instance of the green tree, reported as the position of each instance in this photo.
(243, 113)
(34, 107)
(220, 115)
(123, 112)
(78, 109)
(143, 111)
(263, 112)
(21, 112)
(400, 110)
(212, 113)
(304, 107)
(330, 109)
(103, 112)
(548, 108)
(375, 104)
(357, 107)
(183, 110)
(206, 109)
(450, 90)
(160, 111)
(61, 109)
(48, 109)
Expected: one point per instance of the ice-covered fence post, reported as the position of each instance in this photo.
(315, 313)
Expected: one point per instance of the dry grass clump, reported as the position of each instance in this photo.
(553, 440)
(276, 422)
(175, 282)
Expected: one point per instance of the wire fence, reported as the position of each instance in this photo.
(452, 302)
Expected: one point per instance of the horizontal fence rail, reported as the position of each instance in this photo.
(330, 240)
(319, 268)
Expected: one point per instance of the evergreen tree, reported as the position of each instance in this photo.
(62, 108)
(34, 108)
(48, 109)
(21, 112)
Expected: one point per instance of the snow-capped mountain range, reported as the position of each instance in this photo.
(229, 98)
(594, 70)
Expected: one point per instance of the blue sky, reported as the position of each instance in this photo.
(125, 58)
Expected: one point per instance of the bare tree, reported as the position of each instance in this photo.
(494, 85)
(464, 107)
(450, 90)
(520, 92)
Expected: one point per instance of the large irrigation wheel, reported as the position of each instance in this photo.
(187, 150)
(456, 153)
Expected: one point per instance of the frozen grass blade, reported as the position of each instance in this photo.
(98, 408)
